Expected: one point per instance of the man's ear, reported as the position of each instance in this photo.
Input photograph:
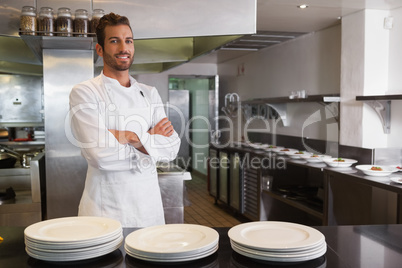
(99, 50)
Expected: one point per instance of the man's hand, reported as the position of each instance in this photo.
(163, 127)
(128, 137)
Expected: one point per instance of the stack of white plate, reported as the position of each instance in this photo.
(277, 241)
(73, 238)
(172, 243)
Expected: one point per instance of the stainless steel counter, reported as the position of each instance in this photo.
(171, 182)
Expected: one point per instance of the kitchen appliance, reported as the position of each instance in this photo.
(7, 160)
(4, 134)
(24, 193)
(8, 157)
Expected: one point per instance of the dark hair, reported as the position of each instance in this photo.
(110, 19)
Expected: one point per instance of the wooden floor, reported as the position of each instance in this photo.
(201, 208)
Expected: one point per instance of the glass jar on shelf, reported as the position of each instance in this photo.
(46, 21)
(81, 23)
(97, 14)
(28, 23)
(64, 22)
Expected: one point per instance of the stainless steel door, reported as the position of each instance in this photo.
(235, 182)
(179, 112)
(65, 167)
(213, 173)
(223, 177)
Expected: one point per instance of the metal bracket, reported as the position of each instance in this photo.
(332, 108)
(281, 109)
(383, 109)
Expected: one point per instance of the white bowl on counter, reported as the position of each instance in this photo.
(375, 170)
(283, 150)
(396, 179)
(315, 158)
(258, 146)
(297, 154)
(339, 162)
(274, 148)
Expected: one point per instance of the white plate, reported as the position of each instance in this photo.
(396, 179)
(172, 240)
(173, 259)
(70, 245)
(275, 236)
(74, 256)
(283, 259)
(385, 170)
(274, 148)
(315, 158)
(80, 250)
(297, 154)
(72, 229)
(283, 151)
(281, 254)
(332, 162)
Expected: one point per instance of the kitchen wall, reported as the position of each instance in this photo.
(371, 65)
(310, 62)
(395, 77)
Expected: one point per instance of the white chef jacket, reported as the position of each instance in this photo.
(121, 181)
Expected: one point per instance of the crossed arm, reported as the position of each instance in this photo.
(163, 127)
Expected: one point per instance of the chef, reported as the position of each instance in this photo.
(122, 130)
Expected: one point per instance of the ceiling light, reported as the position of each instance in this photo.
(303, 6)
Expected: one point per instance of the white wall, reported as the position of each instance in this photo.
(352, 79)
(395, 77)
(310, 62)
(375, 75)
(371, 65)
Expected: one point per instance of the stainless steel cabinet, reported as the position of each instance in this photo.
(251, 196)
(352, 202)
(235, 191)
(224, 179)
(213, 173)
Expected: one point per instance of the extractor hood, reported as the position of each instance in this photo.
(166, 33)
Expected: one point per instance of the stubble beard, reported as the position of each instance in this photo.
(111, 61)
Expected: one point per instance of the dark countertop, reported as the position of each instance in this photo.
(348, 246)
(353, 173)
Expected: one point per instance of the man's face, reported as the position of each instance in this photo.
(118, 52)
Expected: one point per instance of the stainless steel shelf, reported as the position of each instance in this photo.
(38, 43)
(381, 104)
(312, 98)
(379, 97)
(279, 105)
(297, 204)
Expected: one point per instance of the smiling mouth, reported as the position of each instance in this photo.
(123, 57)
